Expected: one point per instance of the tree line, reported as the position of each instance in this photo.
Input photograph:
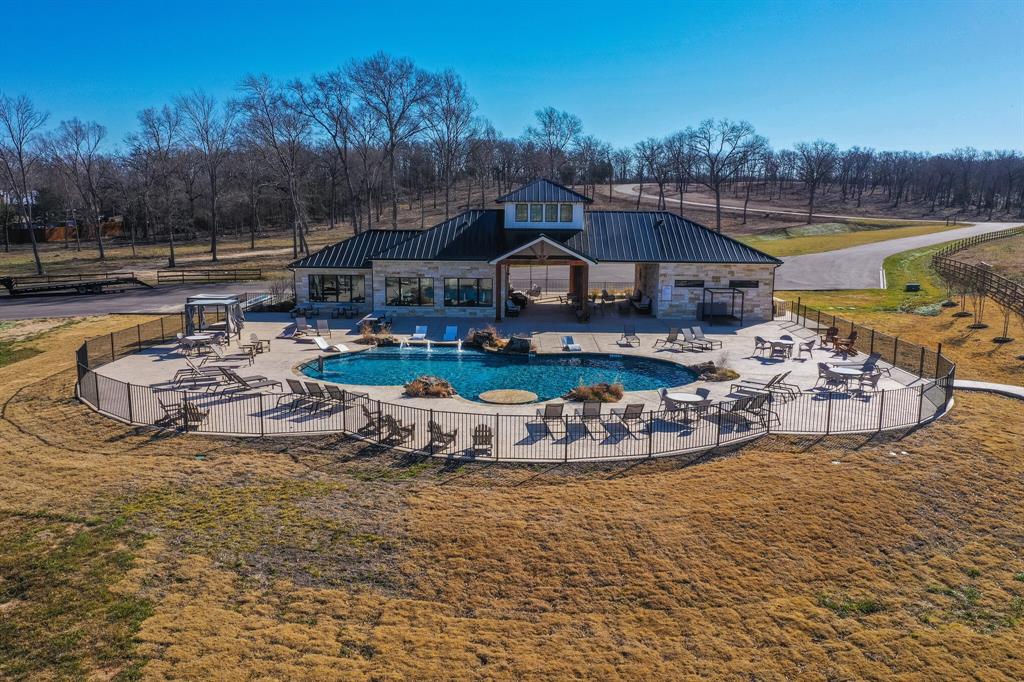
(352, 145)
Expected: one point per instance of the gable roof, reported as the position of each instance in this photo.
(608, 236)
(356, 251)
(543, 189)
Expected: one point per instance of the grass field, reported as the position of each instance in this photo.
(133, 555)
(797, 241)
(1006, 256)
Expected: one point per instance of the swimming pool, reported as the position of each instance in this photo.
(473, 371)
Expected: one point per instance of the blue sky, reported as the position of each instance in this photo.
(924, 76)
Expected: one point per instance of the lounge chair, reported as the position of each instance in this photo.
(323, 328)
(372, 426)
(511, 309)
(420, 334)
(698, 334)
(301, 326)
(630, 415)
(553, 413)
(736, 410)
(299, 396)
(451, 334)
(569, 344)
(868, 365)
(288, 332)
(439, 438)
(483, 439)
(341, 395)
(327, 347)
(672, 339)
(591, 411)
(690, 341)
(760, 407)
(629, 335)
(396, 430)
(316, 392)
(776, 384)
(247, 354)
(251, 383)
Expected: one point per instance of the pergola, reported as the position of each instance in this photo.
(196, 307)
(722, 306)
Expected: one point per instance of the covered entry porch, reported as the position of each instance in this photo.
(541, 255)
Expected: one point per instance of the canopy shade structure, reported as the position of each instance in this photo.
(720, 306)
(195, 313)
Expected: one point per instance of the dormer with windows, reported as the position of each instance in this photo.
(543, 205)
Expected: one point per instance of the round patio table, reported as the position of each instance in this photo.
(786, 343)
(847, 371)
(687, 399)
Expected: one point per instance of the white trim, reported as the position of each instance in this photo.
(547, 240)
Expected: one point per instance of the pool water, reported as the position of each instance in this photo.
(472, 371)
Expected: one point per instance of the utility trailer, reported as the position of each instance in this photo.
(73, 283)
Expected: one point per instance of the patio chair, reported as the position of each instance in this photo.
(806, 347)
(534, 291)
(301, 326)
(372, 426)
(672, 339)
(261, 345)
(630, 415)
(760, 345)
(483, 439)
(397, 431)
(328, 348)
(172, 414)
(451, 334)
(698, 334)
(846, 346)
(193, 415)
(568, 344)
(440, 438)
(870, 380)
(641, 305)
(511, 309)
(629, 335)
(591, 411)
(830, 336)
(553, 413)
(419, 334)
(323, 328)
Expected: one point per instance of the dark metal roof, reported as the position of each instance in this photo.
(608, 236)
(354, 252)
(543, 189)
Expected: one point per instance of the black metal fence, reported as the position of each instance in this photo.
(182, 276)
(520, 437)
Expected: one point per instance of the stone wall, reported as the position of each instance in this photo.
(438, 271)
(685, 301)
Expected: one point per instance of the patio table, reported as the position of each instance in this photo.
(847, 373)
(787, 344)
(686, 399)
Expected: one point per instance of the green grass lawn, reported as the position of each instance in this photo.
(797, 241)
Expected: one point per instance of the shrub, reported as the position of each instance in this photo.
(604, 392)
(368, 337)
(429, 387)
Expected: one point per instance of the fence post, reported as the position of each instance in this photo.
(938, 355)
(872, 341)
(131, 412)
(430, 444)
(791, 316)
(344, 411)
(380, 421)
(818, 323)
(112, 356)
(497, 422)
(895, 352)
(768, 422)
(881, 410)
(920, 364)
(920, 403)
(650, 435)
(718, 431)
(138, 334)
(565, 454)
(828, 415)
(163, 337)
(263, 431)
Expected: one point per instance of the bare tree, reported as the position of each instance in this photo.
(721, 149)
(209, 131)
(153, 155)
(396, 92)
(275, 125)
(815, 163)
(555, 132)
(75, 150)
(20, 123)
(450, 119)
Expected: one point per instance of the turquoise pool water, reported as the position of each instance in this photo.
(472, 371)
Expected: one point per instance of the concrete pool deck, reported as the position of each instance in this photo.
(157, 365)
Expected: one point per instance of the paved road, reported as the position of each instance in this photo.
(159, 300)
(860, 267)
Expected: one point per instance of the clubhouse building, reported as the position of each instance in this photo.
(463, 266)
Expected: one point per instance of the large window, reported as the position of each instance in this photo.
(551, 213)
(409, 290)
(690, 283)
(536, 213)
(566, 216)
(744, 283)
(468, 292)
(337, 288)
(522, 213)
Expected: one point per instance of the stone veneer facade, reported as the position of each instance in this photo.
(685, 301)
(438, 270)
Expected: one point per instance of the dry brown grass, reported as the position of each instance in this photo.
(1006, 256)
(318, 559)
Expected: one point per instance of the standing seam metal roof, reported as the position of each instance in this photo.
(543, 189)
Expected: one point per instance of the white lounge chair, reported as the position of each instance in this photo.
(326, 347)
(569, 344)
(420, 334)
